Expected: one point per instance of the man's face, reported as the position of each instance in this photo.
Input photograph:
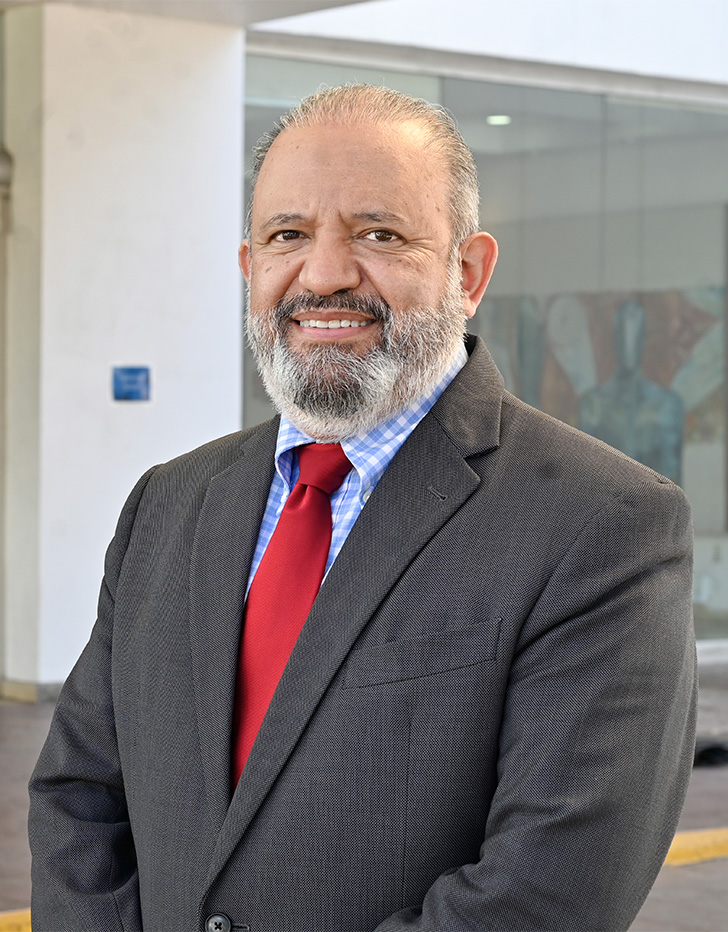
(355, 301)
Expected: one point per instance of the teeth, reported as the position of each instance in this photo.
(333, 324)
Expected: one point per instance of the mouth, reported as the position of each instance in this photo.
(322, 310)
(338, 323)
(339, 318)
(325, 327)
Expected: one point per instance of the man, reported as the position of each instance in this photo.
(486, 719)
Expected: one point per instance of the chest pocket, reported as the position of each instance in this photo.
(409, 658)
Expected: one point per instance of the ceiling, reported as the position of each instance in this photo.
(230, 12)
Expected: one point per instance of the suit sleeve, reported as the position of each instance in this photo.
(597, 737)
(84, 872)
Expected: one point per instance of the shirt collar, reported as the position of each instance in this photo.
(371, 452)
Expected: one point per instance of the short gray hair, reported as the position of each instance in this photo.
(361, 103)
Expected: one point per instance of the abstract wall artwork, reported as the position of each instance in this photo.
(645, 372)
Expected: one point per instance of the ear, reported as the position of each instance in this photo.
(244, 259)
(478, 254)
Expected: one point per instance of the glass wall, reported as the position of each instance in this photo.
(607, 307)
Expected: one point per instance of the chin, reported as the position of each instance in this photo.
(329, 428)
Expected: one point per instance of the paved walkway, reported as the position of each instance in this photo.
(692, 896)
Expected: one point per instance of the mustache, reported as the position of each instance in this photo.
(371, 305)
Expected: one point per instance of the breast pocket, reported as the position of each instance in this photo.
(409, 658)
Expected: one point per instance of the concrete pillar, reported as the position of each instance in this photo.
(5, 179)
(126, 138)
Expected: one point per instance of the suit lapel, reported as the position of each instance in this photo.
(225, 538)
(423, 487)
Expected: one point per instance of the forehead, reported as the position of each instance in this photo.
(355, 165)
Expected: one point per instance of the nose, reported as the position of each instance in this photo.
(329, 266)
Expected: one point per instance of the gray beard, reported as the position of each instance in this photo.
(332, 391)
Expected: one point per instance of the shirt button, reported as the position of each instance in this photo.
(218, 923)
(366, 496)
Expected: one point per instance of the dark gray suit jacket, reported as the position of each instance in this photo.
(486, 723)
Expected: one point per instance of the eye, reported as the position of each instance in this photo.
(381, 236)
(285, 236)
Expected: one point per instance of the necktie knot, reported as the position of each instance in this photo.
(323, 465)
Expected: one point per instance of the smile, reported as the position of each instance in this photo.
(334, 324)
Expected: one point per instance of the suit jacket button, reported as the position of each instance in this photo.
(218, 923)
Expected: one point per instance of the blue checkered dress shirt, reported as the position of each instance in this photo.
(369, 453)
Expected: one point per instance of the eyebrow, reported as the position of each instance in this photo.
(378, 216)
(282, 220)
(288, 218)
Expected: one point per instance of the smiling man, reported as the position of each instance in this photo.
(410, 656)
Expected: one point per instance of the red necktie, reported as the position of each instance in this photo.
(284, 588)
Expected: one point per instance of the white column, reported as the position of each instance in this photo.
(126, 136)
(23, 135)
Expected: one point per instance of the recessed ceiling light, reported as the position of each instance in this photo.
(498, 119)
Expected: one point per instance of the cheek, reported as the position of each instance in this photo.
(407, 292)
(401, 283)
(271, 279)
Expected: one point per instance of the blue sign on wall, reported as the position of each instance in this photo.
(131, 383)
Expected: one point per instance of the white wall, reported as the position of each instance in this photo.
(135, 153)
(23, 136)
(657, 37)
